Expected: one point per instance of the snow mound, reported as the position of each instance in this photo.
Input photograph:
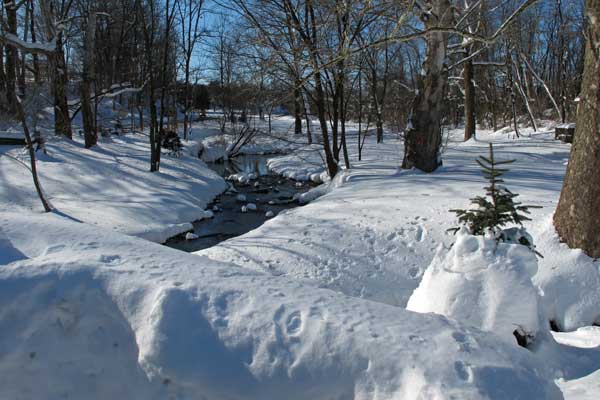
(103, 315)
(242, 177)
(160, 234)
(586, 337)
(570, 281)
(482, 283)
(191, 236)
(214, 148)
(301, 166)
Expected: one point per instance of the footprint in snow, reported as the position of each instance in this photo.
(294, 323)
(420, 233)
(53, 249)
(110, 259)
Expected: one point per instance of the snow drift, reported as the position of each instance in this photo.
(483, 283)
(103, 315)
(570, 282)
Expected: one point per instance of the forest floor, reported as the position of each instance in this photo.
(310, 303)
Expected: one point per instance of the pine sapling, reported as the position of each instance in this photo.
(498, 207)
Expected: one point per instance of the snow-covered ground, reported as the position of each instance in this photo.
(373, 235)
(101, 315)
(111, 186)
(309, 305)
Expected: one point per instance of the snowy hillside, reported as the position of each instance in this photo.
(110, 186)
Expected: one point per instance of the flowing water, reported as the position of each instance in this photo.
(272, 193)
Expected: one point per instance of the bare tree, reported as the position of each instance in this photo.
(423, 137)
(189, 12)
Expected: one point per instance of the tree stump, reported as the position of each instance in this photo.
(565, 132)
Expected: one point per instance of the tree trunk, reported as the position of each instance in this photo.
(307, 118)
(423, 138)
(87, 78)
(513, 96)
(36, 181)
(577, 217)
(154, 134)
(332, 167)
(469, 100)
(62, 120)
(188, 88)
(36, 64)
(141, 118)
(10, 63)
(297, 108)
(344, 144)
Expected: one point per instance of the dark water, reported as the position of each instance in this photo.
(230, 221)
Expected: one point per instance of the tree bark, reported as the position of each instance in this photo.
(36, 64)
(577, 217)
(87, 78)
(469, 100)
(423, 138)
(10, 63)
(36, 181)
(297, 107)
(62, 120)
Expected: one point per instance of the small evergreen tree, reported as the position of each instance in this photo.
(172, 142)
(497, 208)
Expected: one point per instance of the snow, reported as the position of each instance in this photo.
(302, 165)
(586, 388)
(582, 348)
(102, 314)
(309, 305)
(243, 178)
(585, 337)
(483, 283)
(191, 236)
(110, 185)
(569, 280)
(37, 47)
(374, 234)
(269, 214)
(280, 141)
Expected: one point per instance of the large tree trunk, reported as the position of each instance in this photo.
(423, 138)
(577, 217)
(469, 100)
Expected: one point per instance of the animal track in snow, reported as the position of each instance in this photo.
(294, 323)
